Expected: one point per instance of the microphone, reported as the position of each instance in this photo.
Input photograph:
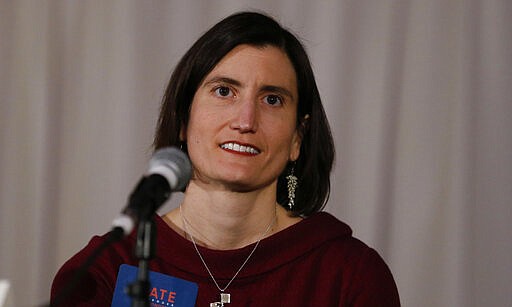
(169, 170)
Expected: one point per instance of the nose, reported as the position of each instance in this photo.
(245, 119)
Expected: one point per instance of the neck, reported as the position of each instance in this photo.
(228, 220)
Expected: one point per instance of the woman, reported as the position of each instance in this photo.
(244, 105)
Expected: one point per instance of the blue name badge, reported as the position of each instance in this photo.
(165, 291)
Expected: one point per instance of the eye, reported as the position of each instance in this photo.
(273, 100)
(223, 91)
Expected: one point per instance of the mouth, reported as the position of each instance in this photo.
(240, 148)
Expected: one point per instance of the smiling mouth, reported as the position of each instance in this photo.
(246, 149)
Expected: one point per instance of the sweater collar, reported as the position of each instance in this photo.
(273, 251)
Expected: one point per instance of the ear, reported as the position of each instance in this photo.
(295, 147)
(183, 133)
(297, 138)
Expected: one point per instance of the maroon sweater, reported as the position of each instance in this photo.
(315, 262)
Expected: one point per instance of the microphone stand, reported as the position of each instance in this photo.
(146, 233)
(144, 251)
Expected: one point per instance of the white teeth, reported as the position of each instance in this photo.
(240, 148)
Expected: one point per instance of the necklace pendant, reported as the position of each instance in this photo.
(224, 299)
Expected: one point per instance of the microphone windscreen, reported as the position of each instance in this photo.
(174, 165)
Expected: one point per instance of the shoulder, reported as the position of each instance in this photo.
(367, 280)
(95, 283)
(322, 236)
(335, 238)
(324, 230)
(326, 234)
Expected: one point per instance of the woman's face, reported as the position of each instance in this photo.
(242, 127)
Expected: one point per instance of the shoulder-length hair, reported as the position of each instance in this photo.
(316, 157)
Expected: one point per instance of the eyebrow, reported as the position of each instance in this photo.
(270, 88)
(223, 80)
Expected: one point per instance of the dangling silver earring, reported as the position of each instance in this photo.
(292, 182)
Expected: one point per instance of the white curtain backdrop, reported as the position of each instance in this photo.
(418, 93)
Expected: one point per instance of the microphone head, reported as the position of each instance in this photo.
(174, 165)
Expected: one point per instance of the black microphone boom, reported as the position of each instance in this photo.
(169, 170)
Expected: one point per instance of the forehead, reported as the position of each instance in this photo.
(266, 65)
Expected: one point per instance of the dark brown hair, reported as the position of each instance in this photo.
(316, 158)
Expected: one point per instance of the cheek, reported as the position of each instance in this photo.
(200, 131)
(195, 136)
(198, 124)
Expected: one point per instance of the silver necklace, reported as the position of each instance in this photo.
(224, 297)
